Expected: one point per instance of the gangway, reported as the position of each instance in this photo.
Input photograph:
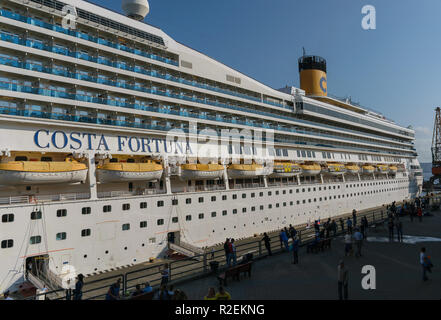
(187, 250)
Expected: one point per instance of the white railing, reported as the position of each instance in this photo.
(33, 199)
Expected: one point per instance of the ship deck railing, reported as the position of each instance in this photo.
(34, 199)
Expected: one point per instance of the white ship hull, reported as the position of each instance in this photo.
(121, 218)
(119, 176)
(31, 178)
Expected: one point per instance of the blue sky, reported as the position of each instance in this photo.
(394, 69)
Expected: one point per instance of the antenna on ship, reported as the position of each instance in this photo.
(136, 9)
(304, 52)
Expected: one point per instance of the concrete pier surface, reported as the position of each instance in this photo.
(398, 271)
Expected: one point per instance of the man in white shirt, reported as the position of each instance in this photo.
(358, 237)
(348, 244)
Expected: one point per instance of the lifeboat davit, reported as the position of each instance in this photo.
(245, 170)
(124, 171)
(42, 172)
(202, 171)
(285, 170)
(368, 169)
(352, 168)
(310, 169)
(335, 169)
(383, 169)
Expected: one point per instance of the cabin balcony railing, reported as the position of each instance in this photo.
(36, 22)
(35, 199)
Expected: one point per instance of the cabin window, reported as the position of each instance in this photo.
(21, 158)
(7, 244)
(224, 213)
(61, 236)
(188, 201)
(113, 160)
(46, 159)
(234, 211)
(143, 205)
(175, 219)
(126, 206)
(86, 210)
(130, 160)
(143, 224)
(201, 216)
(61, 213)
(8, 217)
(35, 240)
(35, 215)
(201, 199)
(160, 203)
(188, 218)
(126, 226)
(213, 214)
(107, 208)
(85, 232)
(160, 222)
(174, 202)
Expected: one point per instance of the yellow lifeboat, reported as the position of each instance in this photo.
(125, 171)
(42, 172)
(285, 170)
(199, 171)
(352, 168)
(245, 170)
(383, 169)
(393, 169)
(310, 169)
(367, 169)
(335, 169)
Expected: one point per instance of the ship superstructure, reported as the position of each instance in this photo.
(115, 138)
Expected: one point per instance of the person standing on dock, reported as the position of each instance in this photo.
(233, 251)
(349, 224)
(354, 217)
(420, 214)
(358, 237)
(295, 250)
(390, 226)
(348, 244)
(342, 224)
(334, 228)
(292, 232)
(284, 238)
(165, 273)
(267, 242)
(113, 293)
(425, 262)
(227, 251)
(78, 291)
(343, 280)
(399, 227)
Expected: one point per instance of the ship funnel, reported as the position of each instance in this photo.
(313, 75)
(136, 9)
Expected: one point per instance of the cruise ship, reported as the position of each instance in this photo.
(115, 140)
